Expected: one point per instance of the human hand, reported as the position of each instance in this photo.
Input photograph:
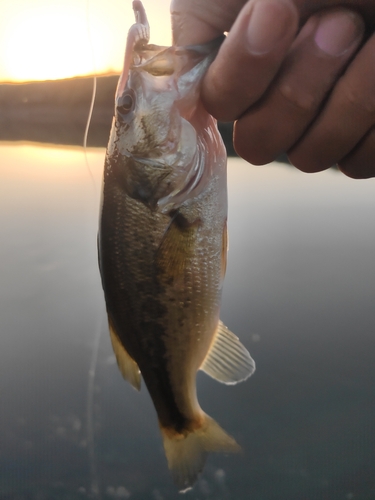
(279, 74)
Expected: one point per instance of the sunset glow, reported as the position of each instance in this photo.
(38, 48)
(51, 39)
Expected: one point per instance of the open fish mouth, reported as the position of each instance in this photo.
(138, 36)
(158, 60)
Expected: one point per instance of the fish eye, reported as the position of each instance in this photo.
(125, 103)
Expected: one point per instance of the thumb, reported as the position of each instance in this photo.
(199, 21)
(250, 57)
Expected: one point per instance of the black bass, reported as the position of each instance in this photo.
(163, 244)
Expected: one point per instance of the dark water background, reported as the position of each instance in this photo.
(299, 293)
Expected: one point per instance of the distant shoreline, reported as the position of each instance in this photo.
(56, 111)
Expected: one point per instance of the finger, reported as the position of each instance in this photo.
(360, 163)
(202, 20)
(321, 50)
(195, 22)
(346, 118)
(250, 57)
(365, 7)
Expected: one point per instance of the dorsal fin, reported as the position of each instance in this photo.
(228, 361)
(127, 366)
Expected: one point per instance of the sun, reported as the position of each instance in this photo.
(52, 39)
(48, 43)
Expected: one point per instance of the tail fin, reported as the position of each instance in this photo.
(186, 454)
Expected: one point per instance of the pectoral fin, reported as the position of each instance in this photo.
(228, 361)
(127, 366)
(177, 245)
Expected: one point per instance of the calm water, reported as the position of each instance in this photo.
(299, 293)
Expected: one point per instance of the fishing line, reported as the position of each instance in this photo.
(93, 95)
(94, 478)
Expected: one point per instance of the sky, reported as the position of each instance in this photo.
(52, 39)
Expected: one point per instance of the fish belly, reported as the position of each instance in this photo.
(162, 279)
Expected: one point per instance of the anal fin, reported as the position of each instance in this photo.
(127, 366)
(228, 361)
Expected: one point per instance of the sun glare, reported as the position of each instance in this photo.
(51, 39)
(47, 43)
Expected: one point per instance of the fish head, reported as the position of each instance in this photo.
(147, 119)
(155, 138)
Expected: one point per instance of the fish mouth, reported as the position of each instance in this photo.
(138, 36)
(140, 54)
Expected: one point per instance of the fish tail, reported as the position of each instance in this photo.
(186, 453)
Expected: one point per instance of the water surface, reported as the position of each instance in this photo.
(299, 293)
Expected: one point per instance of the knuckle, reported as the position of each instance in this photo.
(224, 106)
(219, 98)
(299, 98)
(357, 97)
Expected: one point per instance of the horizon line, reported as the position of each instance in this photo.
(76, 77)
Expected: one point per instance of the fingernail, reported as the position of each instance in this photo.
(269, 22)
(337, 32)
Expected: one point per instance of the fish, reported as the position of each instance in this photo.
(162, 244)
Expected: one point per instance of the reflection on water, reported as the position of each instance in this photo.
(299, 292)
